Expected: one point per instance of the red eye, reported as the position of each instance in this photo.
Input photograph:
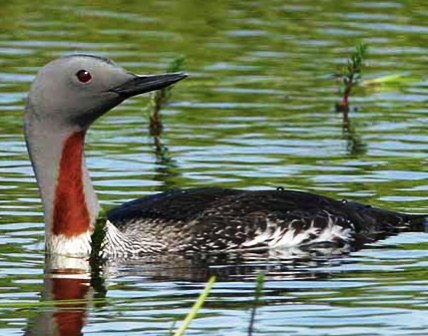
(83, 76)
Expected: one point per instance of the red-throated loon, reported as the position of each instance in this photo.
(71, 92)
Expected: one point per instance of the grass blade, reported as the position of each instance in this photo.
(196, 306)
(258, 293)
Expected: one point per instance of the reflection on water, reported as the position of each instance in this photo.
(166, 167)
(71, 286)
(355, 146)
(168, 285)
(256, 112)
(65, 299)
(63, 317)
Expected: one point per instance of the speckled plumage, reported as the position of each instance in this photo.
(216, 220)
(194, 220)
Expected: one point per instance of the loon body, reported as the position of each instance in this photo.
(216, 219)
(71, 92)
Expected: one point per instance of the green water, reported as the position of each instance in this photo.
(257, 112)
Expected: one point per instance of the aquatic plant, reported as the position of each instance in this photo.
(350, 76)
(195, 308)
(160, 98)
(98, 236)
(260, 281)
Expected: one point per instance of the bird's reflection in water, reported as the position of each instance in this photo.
(73, 286)
(290, 264)
(67, 292)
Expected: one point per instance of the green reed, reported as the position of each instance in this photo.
(195, 308)
(260, 281)
(350, 76)
(161, 97)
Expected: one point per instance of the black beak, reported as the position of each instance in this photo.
(144, 84)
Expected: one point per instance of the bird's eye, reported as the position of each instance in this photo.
(83, 76)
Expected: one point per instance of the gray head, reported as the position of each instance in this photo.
(67, 95)
(73, 91)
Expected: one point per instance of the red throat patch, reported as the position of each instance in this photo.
(70, 318)
(70, 215)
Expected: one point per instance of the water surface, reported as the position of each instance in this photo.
(257, 112)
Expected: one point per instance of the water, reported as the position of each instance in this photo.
(257, 112)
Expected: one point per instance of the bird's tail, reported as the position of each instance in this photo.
(380, 221)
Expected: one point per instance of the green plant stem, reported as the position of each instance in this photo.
(195, 308)
(351, 75)
(258, 293)
(160, 98)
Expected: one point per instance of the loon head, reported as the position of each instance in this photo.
(66, 97)
(73, 91)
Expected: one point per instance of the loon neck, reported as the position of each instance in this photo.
(69, 200)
